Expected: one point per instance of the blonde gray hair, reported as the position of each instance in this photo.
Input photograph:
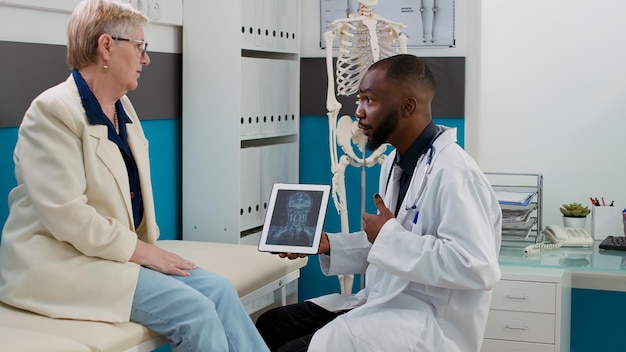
(92, 18)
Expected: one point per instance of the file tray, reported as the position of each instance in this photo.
(517, 233)
(520, 196)
(511, 215)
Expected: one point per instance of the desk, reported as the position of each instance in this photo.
(598, 281)
(591, 268)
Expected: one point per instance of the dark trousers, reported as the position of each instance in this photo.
(291, 328)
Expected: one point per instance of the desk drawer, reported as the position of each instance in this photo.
(520, 326)
(524, 296)
(513, 346)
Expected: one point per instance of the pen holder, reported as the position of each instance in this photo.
(603, 222)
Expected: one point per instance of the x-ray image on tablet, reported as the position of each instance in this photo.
(295, 218)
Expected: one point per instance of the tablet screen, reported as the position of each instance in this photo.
(295, 218)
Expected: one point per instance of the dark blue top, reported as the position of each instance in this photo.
(96, 116)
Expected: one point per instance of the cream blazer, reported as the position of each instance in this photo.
(69, 234)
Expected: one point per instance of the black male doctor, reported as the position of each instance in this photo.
(430, 254)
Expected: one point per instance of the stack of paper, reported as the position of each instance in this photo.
(514, 198)
(514, 215)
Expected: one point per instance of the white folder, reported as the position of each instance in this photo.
(251, 212)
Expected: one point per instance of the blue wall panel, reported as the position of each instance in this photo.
(597, 321)
(164, 138)
(8, 137)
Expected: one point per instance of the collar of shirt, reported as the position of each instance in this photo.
(92, 107)
(408, 161)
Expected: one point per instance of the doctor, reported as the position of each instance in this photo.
(430, 254)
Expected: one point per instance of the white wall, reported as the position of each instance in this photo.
(45, 22)
(552, 96)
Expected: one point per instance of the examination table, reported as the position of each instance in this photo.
(262, 280)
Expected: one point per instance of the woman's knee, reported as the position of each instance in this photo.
(211, 285)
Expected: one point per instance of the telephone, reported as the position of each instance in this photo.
(558, 236)
(568, 236)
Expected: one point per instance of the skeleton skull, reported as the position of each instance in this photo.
(298, 208)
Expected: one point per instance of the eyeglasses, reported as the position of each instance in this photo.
(143, 45)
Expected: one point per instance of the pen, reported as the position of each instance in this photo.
(593, 202)
(603, 204)
(417, 213)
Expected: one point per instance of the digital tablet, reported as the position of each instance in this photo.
(295, 217)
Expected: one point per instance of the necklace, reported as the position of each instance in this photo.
(115, 122)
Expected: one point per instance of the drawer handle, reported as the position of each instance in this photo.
(517, 297)
(516, 327)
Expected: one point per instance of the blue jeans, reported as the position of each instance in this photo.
(199, 312)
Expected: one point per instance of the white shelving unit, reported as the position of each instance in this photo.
(241, 104)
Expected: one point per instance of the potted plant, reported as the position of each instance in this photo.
(574, 214)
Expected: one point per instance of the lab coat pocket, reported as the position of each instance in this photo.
(394, 330)
(417, 229)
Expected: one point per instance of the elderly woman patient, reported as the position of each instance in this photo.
(79, 241)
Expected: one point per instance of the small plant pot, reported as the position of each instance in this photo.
(574, 222)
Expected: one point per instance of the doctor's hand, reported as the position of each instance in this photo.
(324, 248)
(155, 258)
(372, 223)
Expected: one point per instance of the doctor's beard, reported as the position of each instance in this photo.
(381, 134)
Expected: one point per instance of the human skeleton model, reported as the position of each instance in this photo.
(364, 38)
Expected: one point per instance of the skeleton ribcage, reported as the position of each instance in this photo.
(355, 52)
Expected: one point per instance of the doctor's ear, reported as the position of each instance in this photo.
(409, 105)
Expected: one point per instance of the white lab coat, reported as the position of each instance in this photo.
(428, 285)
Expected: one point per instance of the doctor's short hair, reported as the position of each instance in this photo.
(92, 18)
(406, 68)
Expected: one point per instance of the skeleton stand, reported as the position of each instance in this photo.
(364, 38)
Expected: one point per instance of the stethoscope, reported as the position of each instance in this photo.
(428, 155)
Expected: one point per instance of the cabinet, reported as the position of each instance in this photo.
(521, 222)
(530, 311)
(241, 103)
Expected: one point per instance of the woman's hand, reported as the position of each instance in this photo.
(160, 260)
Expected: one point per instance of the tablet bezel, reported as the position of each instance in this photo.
(318, 214)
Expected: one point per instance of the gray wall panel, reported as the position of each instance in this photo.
(28, 69)
(449, 100)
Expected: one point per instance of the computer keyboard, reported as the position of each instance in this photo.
(614, 242)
